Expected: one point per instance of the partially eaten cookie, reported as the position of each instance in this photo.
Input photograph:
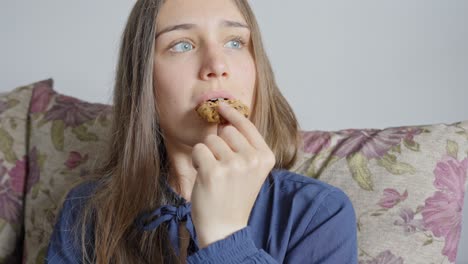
(209, 110)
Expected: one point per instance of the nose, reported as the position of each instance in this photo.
(213, 65)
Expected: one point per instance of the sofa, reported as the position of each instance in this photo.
(407, 184)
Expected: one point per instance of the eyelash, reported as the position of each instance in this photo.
(239, 39)
(236, 38)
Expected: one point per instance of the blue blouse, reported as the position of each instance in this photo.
(295, 219)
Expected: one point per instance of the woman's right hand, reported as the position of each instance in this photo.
(231, 168)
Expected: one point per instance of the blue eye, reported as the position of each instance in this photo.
(237, 43)
(185, 46)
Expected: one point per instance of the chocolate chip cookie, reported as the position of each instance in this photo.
(208, 110)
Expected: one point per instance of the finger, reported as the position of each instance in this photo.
(234, 139)
(202, 158)
(243, 124)
(220, 149)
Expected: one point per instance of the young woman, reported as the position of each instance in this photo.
(177, 189)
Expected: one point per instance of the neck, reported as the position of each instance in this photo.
(182, 174)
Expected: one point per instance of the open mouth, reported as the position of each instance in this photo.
(218, 99)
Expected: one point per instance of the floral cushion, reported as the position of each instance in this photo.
(407, 186)
(13, 148)
(406, 183)
(56, 141)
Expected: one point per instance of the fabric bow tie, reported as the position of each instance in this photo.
(173, 215)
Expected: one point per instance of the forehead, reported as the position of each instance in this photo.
(198, 12)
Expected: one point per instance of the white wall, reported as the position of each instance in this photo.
(342, 64)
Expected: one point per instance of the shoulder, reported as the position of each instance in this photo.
(74, 203)
(65, 240)
(83, 190)
(78, 195)
(292, 184)
(313, 206)
(308, 200)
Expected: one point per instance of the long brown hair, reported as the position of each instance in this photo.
(130, 179)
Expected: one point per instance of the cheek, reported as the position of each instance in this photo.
(169, 87)
(165, 74)
(246, 73)
(171, 77)
(251, 74)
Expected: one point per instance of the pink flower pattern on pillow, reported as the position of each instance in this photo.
(385, 257)
(316, 141)
(10, 203)
(74, 112)
(373, 143)
(75, 159)
(442, 211)
(41, 96)
(391, 197)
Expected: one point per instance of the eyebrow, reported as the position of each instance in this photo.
(224, 23)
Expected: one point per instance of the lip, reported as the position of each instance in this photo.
(213, 94)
